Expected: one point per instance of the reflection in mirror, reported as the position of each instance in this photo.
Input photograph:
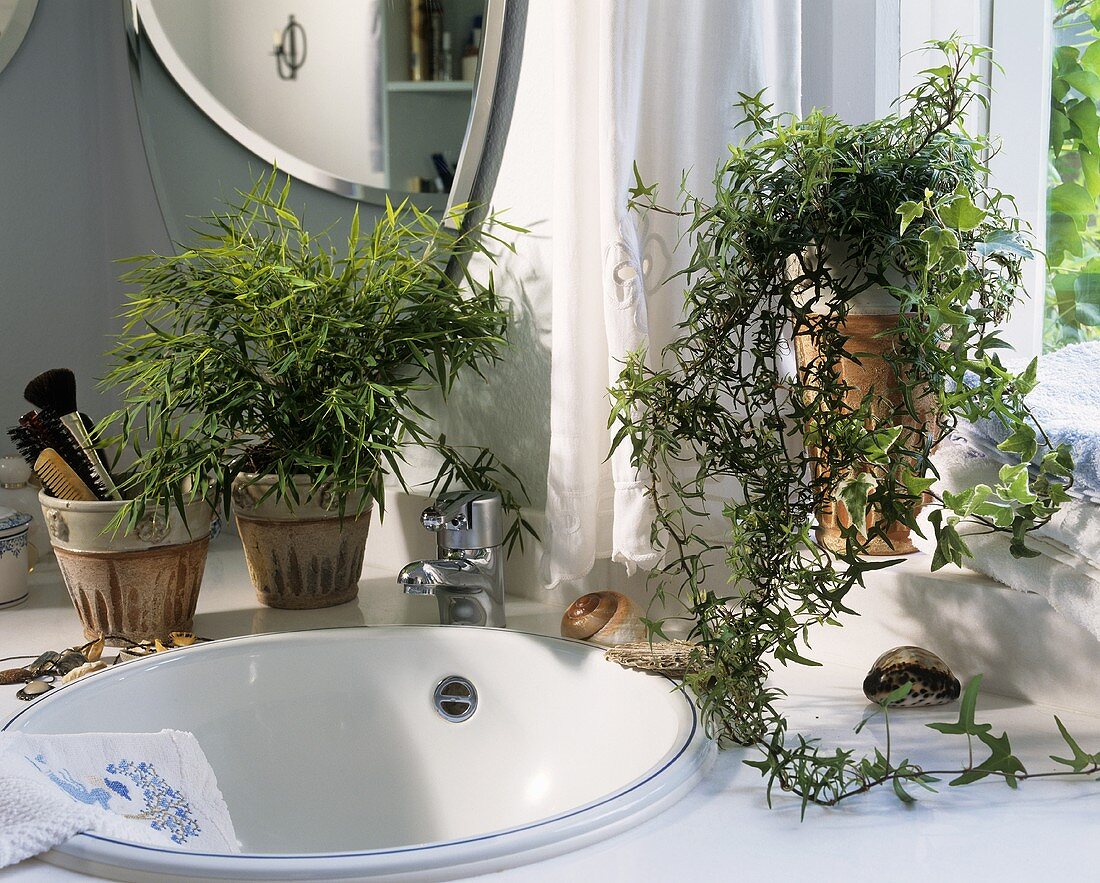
(366, 98)
(15, 19)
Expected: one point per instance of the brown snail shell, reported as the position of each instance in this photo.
(606, 618)
(933, 683)
(15, 676)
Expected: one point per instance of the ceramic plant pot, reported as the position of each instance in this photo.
(301, 556)
(139, 584)
(872, 370)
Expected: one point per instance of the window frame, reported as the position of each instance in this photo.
(1019, 118)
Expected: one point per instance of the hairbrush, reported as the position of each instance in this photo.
(59, 478)
(38, 430)
(28, 441)
(55, 391)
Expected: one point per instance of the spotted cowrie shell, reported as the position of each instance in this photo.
(933, 683)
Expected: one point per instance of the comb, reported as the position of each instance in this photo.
(59, 477)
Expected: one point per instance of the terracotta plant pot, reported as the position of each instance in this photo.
(300, 556)
(872, 370)
(140, 584)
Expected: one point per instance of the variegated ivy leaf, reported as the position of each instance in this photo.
(910, 211)
(853, 493)
(1015, 485)
(960, 213)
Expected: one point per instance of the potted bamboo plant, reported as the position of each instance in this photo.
(880, 254)
(287, 375)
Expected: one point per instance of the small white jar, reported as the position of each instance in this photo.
(15, 557)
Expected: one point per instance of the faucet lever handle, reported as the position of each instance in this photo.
(465, 520)
(448, 512)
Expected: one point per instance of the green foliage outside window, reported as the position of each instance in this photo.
(1073, 223)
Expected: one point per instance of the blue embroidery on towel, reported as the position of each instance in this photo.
(78, 791)
(166, 808)
(119, 789)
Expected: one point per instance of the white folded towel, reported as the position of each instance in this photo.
(1068, 578)
(1066, 403)
(962, 462)
(150, 788)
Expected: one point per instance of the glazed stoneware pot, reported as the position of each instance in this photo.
(304, 555)
(139, 584)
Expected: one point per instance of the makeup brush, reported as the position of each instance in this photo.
(59, 478)
(55, 391)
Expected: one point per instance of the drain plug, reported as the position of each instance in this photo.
(455, 699)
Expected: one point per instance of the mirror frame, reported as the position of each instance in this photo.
(142, 19)
(17, 30)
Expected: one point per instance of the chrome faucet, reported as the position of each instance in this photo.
(467, 578)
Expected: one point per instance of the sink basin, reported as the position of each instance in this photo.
(337, 763)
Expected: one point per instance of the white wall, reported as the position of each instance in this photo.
(75, 194)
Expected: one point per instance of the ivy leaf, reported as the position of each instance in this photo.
(1001, 759)
(853, 493)
(1028, 379)
(1022, 442)
(915, 484)
(1081, 760)
(966, 725)
(950, 546)
(1015, 484)
(1004, 242)
(910, 211)
(939, 239)
(964, 502)
(961, 213)
(875, 446)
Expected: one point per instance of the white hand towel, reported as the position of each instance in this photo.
(962, 462)
(150, 788)
(1069, 581)
(1066, 403)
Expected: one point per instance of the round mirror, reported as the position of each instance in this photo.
(368, 99)
(15, 18)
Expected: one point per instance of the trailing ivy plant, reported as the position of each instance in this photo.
(1073, 223)
(267, 349)
(805, 214)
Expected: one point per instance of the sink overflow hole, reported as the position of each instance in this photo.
(455, 699)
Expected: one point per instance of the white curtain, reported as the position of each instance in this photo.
(652, 82)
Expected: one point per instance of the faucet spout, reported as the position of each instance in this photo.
(446, 574)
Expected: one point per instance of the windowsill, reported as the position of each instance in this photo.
(1020, 644)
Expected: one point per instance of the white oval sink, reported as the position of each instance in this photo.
(336, 764)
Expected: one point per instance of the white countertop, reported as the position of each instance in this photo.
(723, 829)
